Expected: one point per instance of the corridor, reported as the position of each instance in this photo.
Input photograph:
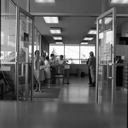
(75, 108)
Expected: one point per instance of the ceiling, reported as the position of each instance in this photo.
(77, 17)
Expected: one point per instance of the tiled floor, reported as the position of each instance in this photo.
(75, 108)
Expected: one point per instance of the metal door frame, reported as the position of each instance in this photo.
(18, 11)
(113, 12)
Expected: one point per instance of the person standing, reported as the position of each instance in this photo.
(89, 75)
(53, 68)
(37, 69)
(92, 67)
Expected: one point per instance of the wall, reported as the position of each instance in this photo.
(122, 50)
(76, 69)
(21, 3)
(44, 44)
(124, 31)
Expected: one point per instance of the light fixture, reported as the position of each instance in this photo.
(45, 1)
(59, 42)
(57, 38)
(93, 32)
(85, 43)
(119, 1)
(55, 31)
(51, 20)
(88, 38)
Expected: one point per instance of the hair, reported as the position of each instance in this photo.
(37, 51)
(61, 56)
(52, 55)
(47, 58)
(91, 53)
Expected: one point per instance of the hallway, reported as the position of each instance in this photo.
(75, 108)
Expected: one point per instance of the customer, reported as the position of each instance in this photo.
(37, 69)
(92, 67)
(53, 64)
(61, 60)
(89, 74)
(47, 70)
(60, 66)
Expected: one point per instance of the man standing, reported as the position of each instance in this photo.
(92, 67)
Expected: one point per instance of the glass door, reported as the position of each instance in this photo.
(8, 51)
(105, 53)
(25, 56)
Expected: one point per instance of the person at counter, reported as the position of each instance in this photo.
(53, 63)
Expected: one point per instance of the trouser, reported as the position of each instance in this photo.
(89, 76)
(92, 73)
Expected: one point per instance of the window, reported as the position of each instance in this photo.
(56, 49)
(75, 54)
(84, 53)
(72, 54)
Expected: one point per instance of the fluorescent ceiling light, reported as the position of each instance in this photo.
(119, 1)
(59, 42)
(55, 31)
(88, 38)
(92, 32)
(84, 43)
(57, 38)
(45, 1)
(51, 20)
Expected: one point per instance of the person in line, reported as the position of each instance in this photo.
(89, 74)
(60, 66)
(47, 70)
(53, 64)
(92, 67)
(42, 66)
(61, 60)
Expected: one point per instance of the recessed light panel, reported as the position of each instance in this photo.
(59, 42)
(85, 43)
(55, 31)
(93, 32)
(119, 1)
(45, 1)
(51, 20)
(88, 38)
(57, 38)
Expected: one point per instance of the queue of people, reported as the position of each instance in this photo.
(45, 69)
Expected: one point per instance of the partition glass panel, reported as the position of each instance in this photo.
(25, 56)
(8, 51)
(105, 57)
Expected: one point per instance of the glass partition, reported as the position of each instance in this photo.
(8, 50)
(25, 55)
(105, 57)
